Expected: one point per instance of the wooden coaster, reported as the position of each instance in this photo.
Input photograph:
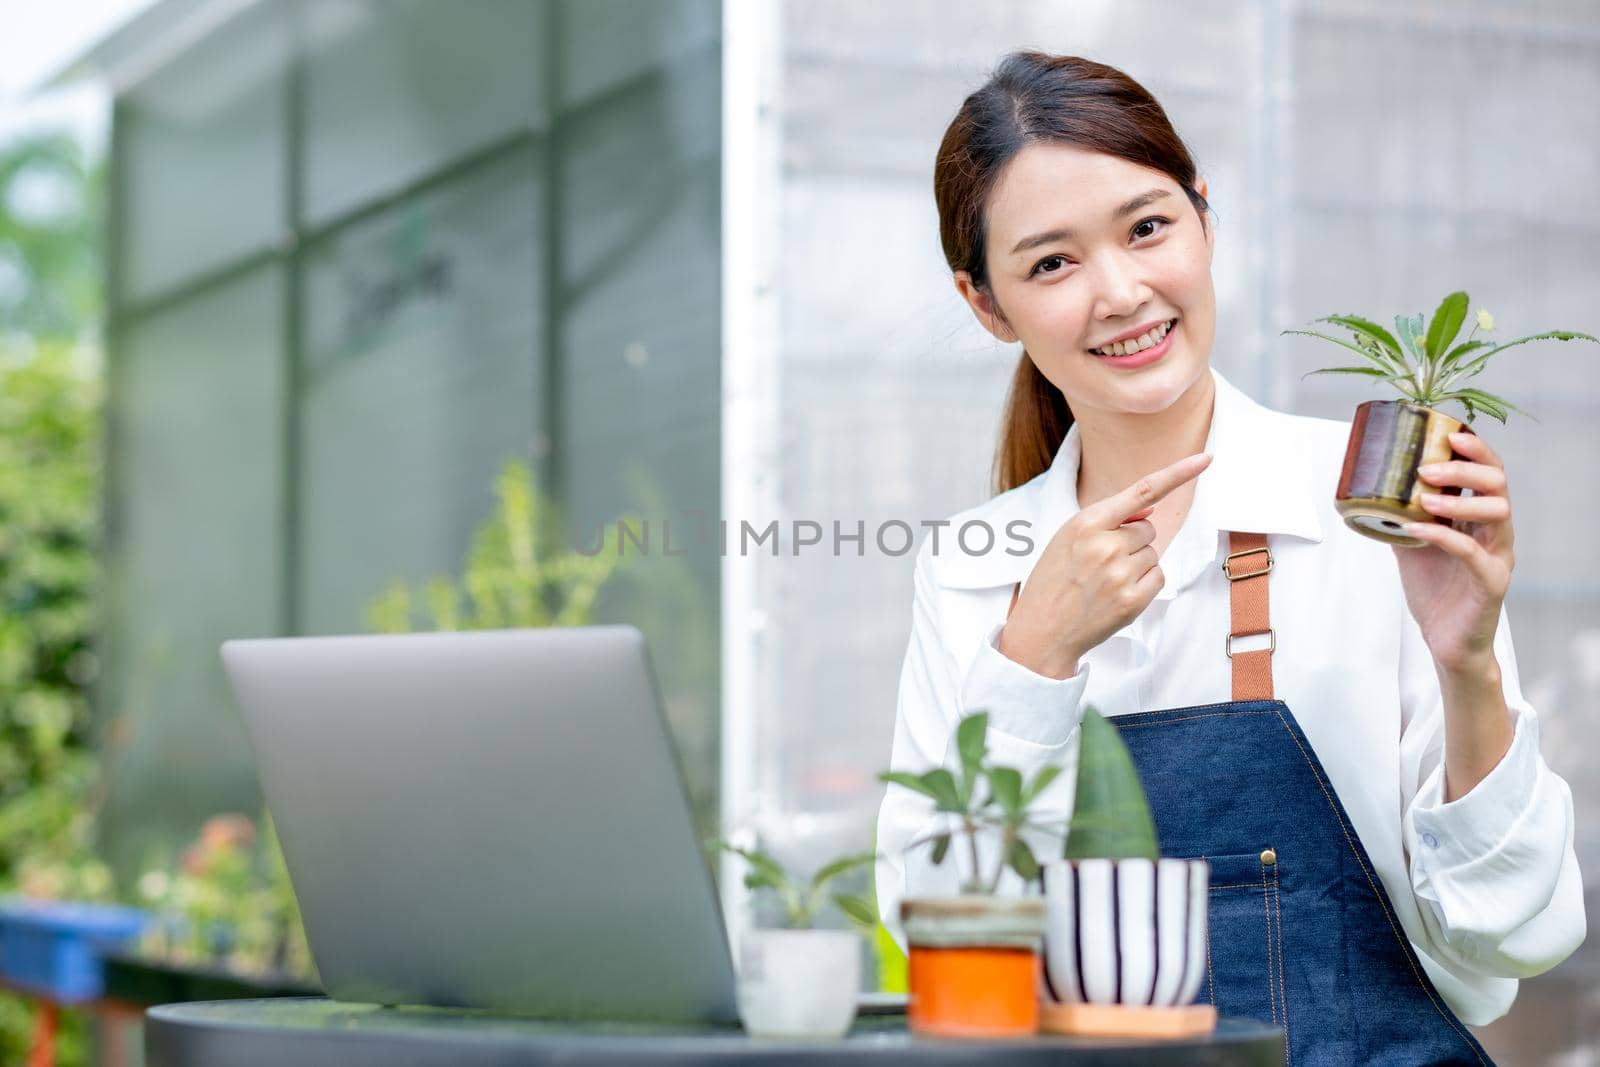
(1126, 1020)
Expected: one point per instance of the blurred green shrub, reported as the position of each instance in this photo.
(49, 497)
(518, 572)
(51, 221)
(227, 903)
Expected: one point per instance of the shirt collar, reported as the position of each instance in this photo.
(1256, 483)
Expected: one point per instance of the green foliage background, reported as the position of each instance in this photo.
(50, 256)
(49, 490)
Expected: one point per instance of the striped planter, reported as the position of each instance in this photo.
(1125, 932)
(1379, 490)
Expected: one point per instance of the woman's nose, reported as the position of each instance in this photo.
(1120, 290)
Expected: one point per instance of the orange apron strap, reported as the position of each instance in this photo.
(1248, 562)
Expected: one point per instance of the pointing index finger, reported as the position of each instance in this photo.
(1147, 491)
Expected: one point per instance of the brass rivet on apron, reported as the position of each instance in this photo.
(1268, 857)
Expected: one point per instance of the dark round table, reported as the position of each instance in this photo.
(314, 1031)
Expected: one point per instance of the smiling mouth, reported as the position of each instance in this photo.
(1138, 344)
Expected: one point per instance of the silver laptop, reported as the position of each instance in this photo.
(488, 820)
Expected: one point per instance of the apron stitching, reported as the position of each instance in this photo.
(1202, 707)
(1266, 911)
(1188, 718)
(1211, 985)
(1283, 993)
(1383, 905)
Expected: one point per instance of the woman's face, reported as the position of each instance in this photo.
(1069, 270)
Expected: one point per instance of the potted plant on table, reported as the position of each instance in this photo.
(56, 931)
(973, 959)
(799, 980)
(1379, 491)
(226, 925)
(1125, 941)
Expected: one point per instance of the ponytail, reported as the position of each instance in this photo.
(1036, 421)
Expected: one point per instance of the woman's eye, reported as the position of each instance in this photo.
(1153, 218)
(1044, 266)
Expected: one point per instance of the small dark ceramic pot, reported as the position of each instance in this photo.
(1379, 491)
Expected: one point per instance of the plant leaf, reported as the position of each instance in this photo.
(941, 846)
(1005, 787)
(1407, 330)
(1365, 353)
(1476, 365)
(1370, 372)
(857, 909)
(943, 785)
(1041, 781)
(1022, 860)
(765, 872)
(1448, 372)
(1110, 817)
(971, 745)
(842, 865)
(1369, 329)
(937, 783)
(1487, 401)
(1446, 323)
(1492, 405)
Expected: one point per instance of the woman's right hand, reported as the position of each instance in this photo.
(1095, 576)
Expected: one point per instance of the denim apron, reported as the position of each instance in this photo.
(1302, 934)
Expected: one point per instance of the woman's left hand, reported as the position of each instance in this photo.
(1456, 583)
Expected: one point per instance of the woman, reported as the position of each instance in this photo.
(1365, 750)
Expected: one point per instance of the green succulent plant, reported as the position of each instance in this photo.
(802, 900)
(1423, 362)
(980, 796)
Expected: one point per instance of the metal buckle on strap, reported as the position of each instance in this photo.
(1253, 574)
(1227, 642)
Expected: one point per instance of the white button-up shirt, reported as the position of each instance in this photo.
(1486, 886)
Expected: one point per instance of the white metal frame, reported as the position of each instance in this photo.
(751, 228)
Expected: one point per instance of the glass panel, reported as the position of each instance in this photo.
(397, 88)
(608, 44)
(202, 143)
(194, 556)
(422, 338)
(641, 357)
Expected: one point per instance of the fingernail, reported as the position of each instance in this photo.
(1429, 468)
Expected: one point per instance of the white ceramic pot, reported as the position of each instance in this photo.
(798, 983)
(1127, 931)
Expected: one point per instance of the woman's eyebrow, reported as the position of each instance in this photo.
(1061, 234)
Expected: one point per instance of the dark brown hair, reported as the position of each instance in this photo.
(1034, 97)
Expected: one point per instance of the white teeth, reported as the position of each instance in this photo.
(1138, 344)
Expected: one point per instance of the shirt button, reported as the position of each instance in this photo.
(1430, 840)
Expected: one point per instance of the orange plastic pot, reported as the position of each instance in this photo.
(973, 966)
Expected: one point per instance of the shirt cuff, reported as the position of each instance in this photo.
(1027, 708)
(1484, 822)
